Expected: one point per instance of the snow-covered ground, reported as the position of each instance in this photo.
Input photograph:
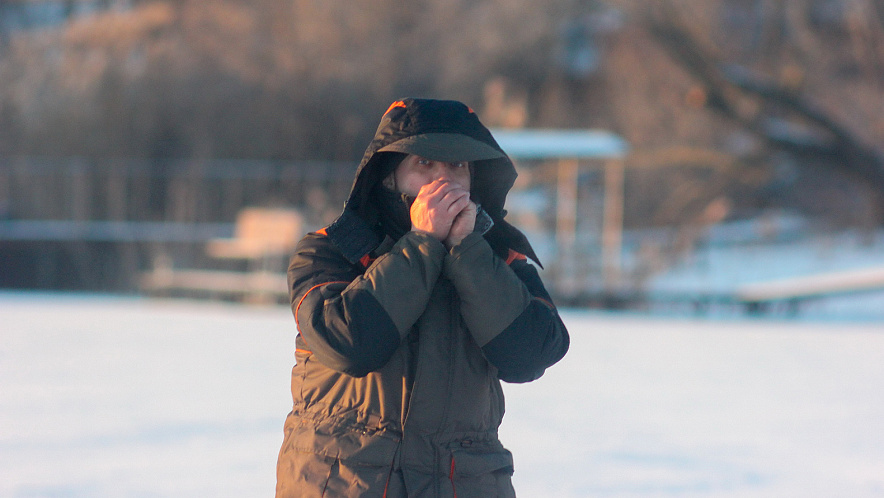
(111, 397)
(721, 266)
(724, 264)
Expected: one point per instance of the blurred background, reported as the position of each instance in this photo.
(710, 170)
(150, 147)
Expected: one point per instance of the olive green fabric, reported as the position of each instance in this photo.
(402, 279)
(402, 344)
(491, 299)
(437, 401)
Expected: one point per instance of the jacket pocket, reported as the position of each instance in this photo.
(481, 470)
(314, 476)
(337, 440)
(324, 459)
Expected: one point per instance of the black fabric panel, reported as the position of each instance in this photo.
(529, 276)
(353, 334)
(352, 235)
(534, 341)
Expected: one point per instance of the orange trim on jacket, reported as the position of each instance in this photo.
(515, 256)
(394, 105)
(366, 260)
(298, 307)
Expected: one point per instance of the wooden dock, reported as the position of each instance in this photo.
(793, 291)
(263, 238)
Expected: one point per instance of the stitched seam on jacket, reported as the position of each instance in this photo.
(298, 307)
(462, 249)
(545, 302)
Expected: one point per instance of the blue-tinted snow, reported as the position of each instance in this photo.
(109, 397)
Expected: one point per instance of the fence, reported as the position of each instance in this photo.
(79, 224)
(75, 223)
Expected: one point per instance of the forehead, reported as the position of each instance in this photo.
(413, 158)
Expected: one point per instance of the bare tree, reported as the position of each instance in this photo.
(786, 91)
(281, 79)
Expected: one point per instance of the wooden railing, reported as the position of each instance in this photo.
(75, 223)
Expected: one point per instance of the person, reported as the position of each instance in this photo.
(411, 307)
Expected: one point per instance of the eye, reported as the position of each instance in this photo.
(459, 165)
(423, 162)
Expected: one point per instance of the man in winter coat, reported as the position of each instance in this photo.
(411, 308)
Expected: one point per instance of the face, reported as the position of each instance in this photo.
(415, 171)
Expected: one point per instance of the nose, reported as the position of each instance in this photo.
(440, 172)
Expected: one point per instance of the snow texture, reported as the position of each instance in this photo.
(108, 397)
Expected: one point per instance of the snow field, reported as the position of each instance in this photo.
(107, 397)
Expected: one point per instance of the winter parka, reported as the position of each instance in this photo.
(402, 344)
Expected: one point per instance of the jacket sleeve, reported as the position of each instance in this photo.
(352, 320)
(507, 310)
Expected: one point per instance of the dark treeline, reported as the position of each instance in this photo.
(734, 104)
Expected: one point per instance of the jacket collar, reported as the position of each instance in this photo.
(353, 236)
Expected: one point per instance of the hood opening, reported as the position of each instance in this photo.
(441, 130)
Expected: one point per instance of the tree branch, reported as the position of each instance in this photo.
(826, 140)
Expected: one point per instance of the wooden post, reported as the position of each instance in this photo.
(81, 193)
(117, 193)
(566, 223)
(5, 190)
(612, 228)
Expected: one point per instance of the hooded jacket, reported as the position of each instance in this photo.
(402, 344)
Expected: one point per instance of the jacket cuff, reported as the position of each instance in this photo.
(402, 279)
(492, 296)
